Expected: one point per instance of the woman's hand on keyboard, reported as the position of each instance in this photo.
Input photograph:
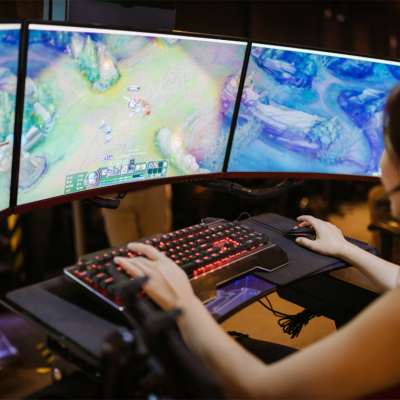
(168, 285)
(329, 239)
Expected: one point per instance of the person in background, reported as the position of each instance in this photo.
(361, 358)
(140, 214)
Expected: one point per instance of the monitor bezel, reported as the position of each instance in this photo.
(131, 186)
(6, 212)
(302, 175)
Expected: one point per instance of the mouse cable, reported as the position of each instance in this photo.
(291, 324)
(243, 213)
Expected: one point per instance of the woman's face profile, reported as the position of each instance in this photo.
(390, 179)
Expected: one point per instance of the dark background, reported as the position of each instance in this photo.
(364, 27)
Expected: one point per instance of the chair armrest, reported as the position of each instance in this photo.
(391, 227)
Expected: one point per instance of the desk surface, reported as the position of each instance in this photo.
(79, 323)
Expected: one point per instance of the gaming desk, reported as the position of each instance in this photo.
(76, 325)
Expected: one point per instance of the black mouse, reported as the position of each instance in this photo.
(306, 232)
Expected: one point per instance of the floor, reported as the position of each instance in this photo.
(31, 371)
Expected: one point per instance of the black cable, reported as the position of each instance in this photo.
(243, 213)
(272, 228)
(291, 324)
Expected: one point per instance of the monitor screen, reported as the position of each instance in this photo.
(107, 107)
(9, 55)
(306, 111)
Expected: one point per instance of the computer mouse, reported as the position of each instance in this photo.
(298, 231)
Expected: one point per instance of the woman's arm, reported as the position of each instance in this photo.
(362, 358)
(331, 242)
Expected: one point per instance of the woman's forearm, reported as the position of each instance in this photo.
(383, 273)
(360, 359)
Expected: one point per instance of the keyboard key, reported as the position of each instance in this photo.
(239, 248)
(99, 277)
(91, 271)
(101, 268)
(155, 242)
(111, 289)
(265, 238)
(111, 269)
(180, 234)
(98, 259)
(215, 249)
(207, 259)
(199, 262)
(189, 267)
(258, 240)
(106, 282)
(248, 244)
(215, 257)
(80, 266)
(107, 257)
(200, 242)
(173, 236)
(201, 228)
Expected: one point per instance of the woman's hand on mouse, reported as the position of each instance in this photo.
(329, 239)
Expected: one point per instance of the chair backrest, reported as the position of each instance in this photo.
(391, 393)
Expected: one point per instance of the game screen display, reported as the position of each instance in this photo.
(9, 54)
(105, 107)
(311, 112)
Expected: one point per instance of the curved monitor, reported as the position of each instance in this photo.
(9, 57)
(308, 113)
(111, 110)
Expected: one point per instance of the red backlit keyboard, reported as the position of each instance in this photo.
(199, 250)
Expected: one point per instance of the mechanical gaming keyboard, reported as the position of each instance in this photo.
(200, 250)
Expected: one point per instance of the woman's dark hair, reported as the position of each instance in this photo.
(391, 122)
